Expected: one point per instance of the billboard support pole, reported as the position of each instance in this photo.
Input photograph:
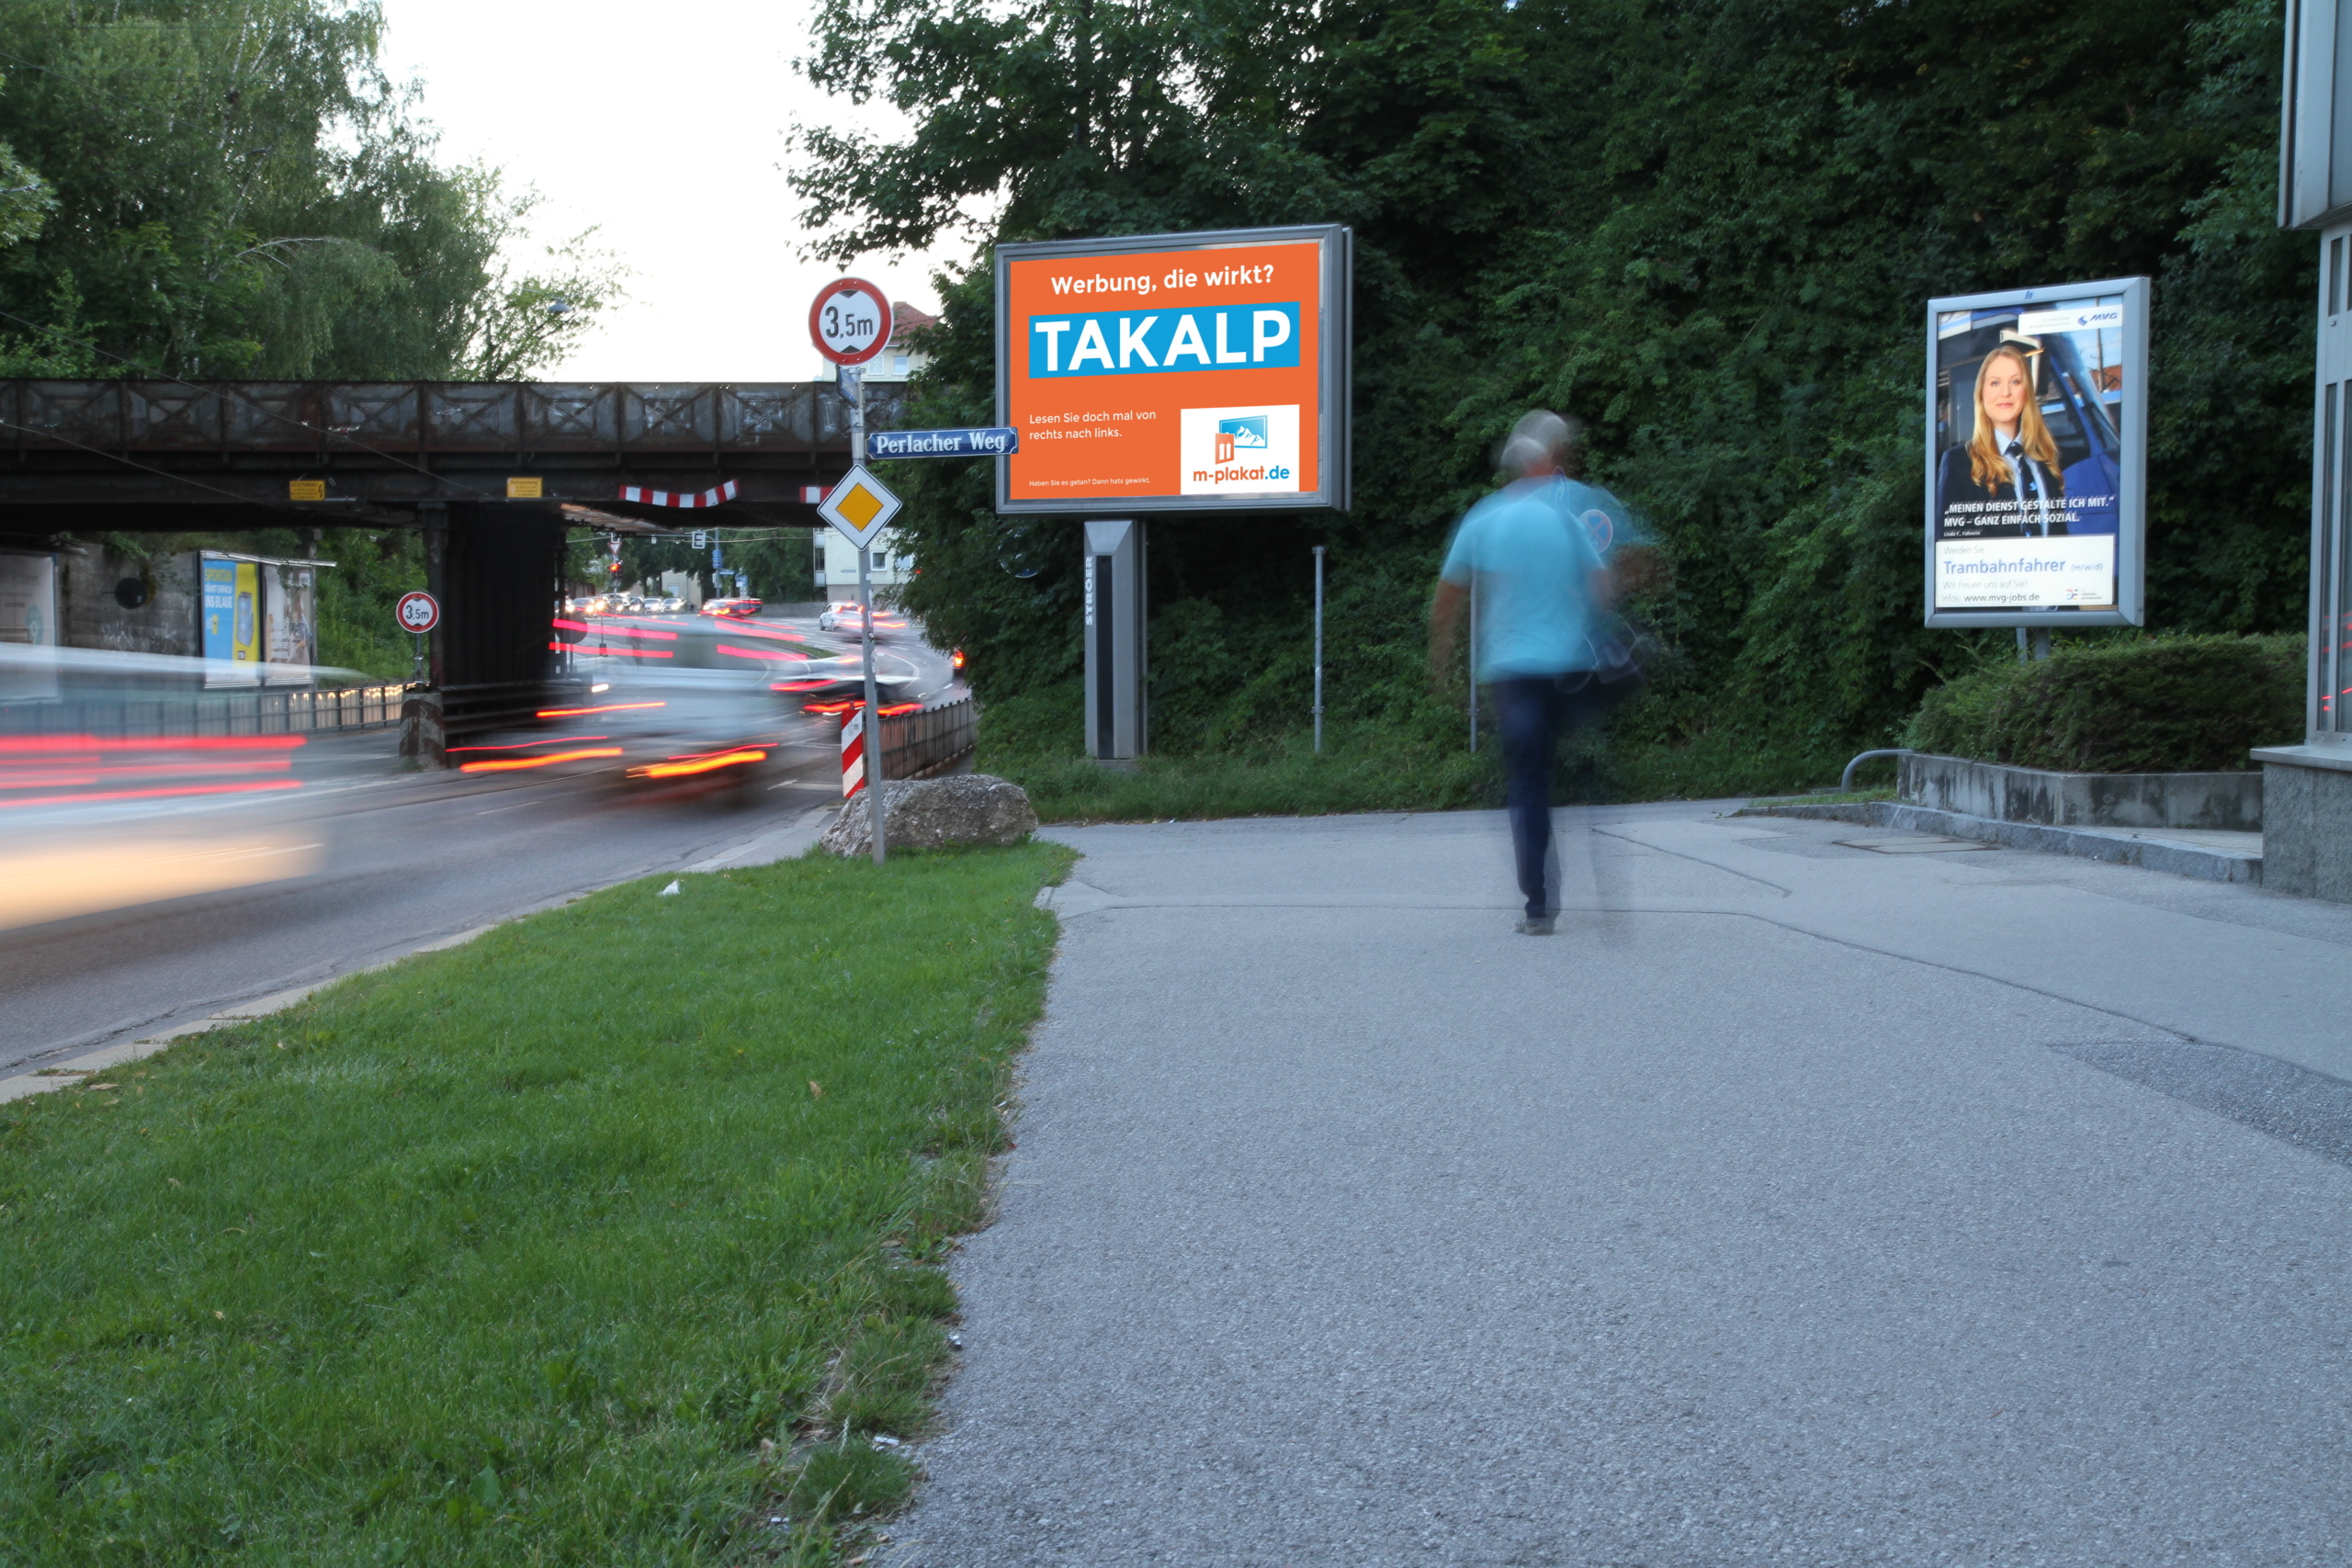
(1114, 605)
(1318, 651)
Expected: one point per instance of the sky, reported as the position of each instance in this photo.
(662, 126)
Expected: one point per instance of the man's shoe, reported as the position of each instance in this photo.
(1535, 925)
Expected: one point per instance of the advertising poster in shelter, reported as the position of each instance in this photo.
(2037, 456)
(1192, 372)
(232, 629)
(28, 619)
(289, 615)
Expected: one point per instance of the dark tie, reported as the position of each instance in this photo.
(2030, 486)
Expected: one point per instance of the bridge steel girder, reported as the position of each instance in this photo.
(120, 448)
(218, 456)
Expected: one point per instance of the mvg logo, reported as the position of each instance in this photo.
(1245, 449)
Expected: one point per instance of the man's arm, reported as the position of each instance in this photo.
(1445, 618)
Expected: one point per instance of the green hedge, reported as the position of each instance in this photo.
(2158, 705)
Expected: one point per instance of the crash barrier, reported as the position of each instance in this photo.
(256, 710)
(930, 740)
(433, 717)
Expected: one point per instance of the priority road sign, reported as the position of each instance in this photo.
(861, 506)
(418, 612)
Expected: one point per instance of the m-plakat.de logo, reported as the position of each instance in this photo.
(1253, 449)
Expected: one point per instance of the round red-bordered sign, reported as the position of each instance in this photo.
(850, 321)
(418, 612)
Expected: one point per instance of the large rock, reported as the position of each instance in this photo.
(922, 814)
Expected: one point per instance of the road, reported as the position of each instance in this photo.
(414, 857)
(1799, 1203)
(411, 858)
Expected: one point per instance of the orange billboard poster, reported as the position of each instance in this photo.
(1174, 372)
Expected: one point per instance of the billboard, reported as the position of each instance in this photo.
(232, 619)
(2037, 456)
(290, 614)
(28, 619)
(1175, 372)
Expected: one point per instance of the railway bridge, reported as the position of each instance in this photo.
(493, 473)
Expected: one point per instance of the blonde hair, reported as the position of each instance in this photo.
(1986, 462)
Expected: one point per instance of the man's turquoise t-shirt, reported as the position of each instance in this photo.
(1532, 563)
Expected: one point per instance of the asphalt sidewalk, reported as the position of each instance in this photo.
(1797, 1203)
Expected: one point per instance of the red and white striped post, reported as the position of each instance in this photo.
(853, 752)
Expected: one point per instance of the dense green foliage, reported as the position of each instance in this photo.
(232, 187)
(373, 568)
(2167, 704)
(605, 1239)
(1707, 227)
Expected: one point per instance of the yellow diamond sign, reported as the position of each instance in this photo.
(860, 506)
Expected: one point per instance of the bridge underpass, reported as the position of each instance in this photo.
(90, 457)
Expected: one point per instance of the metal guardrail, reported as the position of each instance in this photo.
(259, 711)
(930, 740)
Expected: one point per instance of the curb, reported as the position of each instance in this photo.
(2151, 855)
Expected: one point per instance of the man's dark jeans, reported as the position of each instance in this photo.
(1534, 711)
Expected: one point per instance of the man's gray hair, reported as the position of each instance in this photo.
(1541, 440)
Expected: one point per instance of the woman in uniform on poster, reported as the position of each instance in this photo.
(2005, 482)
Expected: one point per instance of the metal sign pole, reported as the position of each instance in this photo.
(873, 747)
(1318, 651)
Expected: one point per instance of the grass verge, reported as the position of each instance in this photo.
(608, 1239)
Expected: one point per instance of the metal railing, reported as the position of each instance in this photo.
(930, 740)
(172, 715)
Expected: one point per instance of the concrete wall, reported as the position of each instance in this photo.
(2231, 802)
(2307, 830)
(92, 617)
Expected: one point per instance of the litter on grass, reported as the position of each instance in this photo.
(667, 891)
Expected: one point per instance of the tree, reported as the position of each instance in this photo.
(1708, 226)
(236, 189)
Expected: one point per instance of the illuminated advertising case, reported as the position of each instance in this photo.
(28, 619)
(232, 620)
(1175, 372)
(2037, 456)
(290, 614)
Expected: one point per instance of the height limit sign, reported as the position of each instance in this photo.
(850, 321)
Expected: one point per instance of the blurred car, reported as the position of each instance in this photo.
(112, 820)
(650, 699)
(839, 616)
(834, 685)
(850, 617)
(737, 609)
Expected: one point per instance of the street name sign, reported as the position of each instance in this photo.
(860, 507)
(995, 441)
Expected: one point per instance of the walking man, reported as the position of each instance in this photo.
(1542, 595)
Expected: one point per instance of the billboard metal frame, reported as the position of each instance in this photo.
(2132, 490)
(1334, 382)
